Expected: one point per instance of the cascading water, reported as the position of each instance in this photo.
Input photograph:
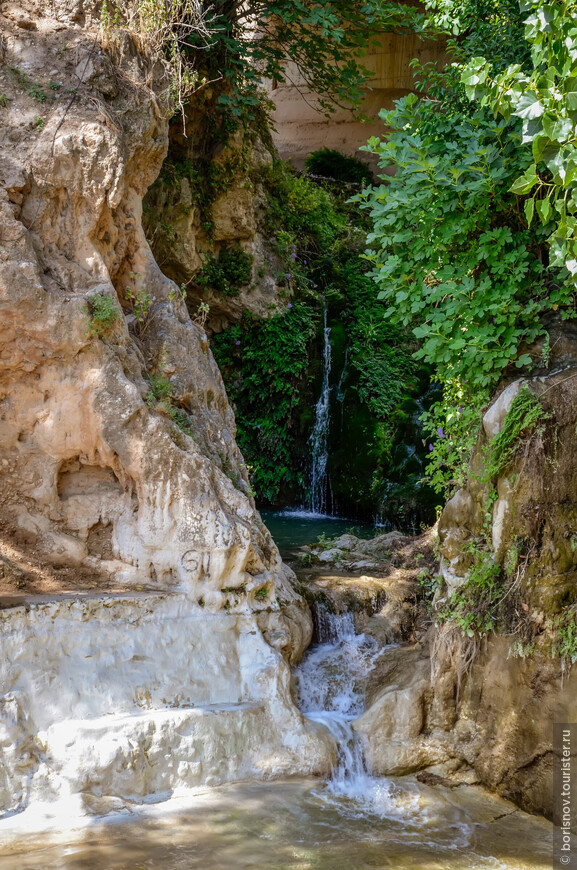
(341, 389)
(330, 688)
(319, 436)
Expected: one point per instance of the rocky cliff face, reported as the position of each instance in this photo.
(101, 466)
(492, 703)
(189, 228)
(119, 468)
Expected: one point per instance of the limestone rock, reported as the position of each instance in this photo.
(103, 477)
(394, 725)
(233, 215)
(495, 417)
(88, 446)
(178, 698)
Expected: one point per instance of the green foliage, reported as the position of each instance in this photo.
(428, 583)
(226, 273)
(545, 102)
(470, 27)
(264, 364)
(323, 40)
(332, 164)
(161, 398)
(141, 302)
(4, 100)
(104, 315)
(180, 418)
(565, 637)
(454, 253)
(386, 371)
(524, 414)
(452, 427)
(300, 209)
(32, 89)
(273, 374)
(473, 607)
(449, 249)
(38, 122)
(160, 389)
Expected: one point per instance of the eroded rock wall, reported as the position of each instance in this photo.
(110, 484)
(189, 228)
(491, 704)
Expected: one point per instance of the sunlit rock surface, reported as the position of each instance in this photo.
(182, 680)
(141, 696)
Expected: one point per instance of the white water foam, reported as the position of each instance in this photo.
(330, 682)
(304, 514)
(330, 687)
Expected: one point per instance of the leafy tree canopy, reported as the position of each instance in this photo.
(324, 40)
(544, 100)
(455, 251)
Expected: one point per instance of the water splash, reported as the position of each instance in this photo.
(319, 436)
(330, 682)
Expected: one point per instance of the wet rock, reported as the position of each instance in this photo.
(334, 554)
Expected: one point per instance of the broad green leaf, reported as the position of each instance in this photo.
(557, 129)
(528, 106)
(544, 210)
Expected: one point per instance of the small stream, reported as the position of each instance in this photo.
(330, 689)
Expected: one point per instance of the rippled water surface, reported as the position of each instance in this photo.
(299, 824)
(293, 528)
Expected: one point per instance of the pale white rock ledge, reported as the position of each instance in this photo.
(140, 698)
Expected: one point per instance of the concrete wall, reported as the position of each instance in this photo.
(301, 128)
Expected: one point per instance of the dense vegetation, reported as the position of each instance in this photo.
(272, 366)
(477, 276)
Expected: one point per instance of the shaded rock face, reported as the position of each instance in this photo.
(450, 700)
(108, 482)
(492, 716)
(185, 233)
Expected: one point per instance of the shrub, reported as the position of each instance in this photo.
(104, 314)
(524, 414)
(474, 606)
(226, 273)
(332, 164)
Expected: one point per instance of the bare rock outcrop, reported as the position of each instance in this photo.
(490, 703)
(189, 229)
(147, 612)
(97, 471)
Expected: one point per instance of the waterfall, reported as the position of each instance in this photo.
(340, 393)
(330, 688)
(319, 435)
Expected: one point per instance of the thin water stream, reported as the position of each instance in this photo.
(320, 433)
